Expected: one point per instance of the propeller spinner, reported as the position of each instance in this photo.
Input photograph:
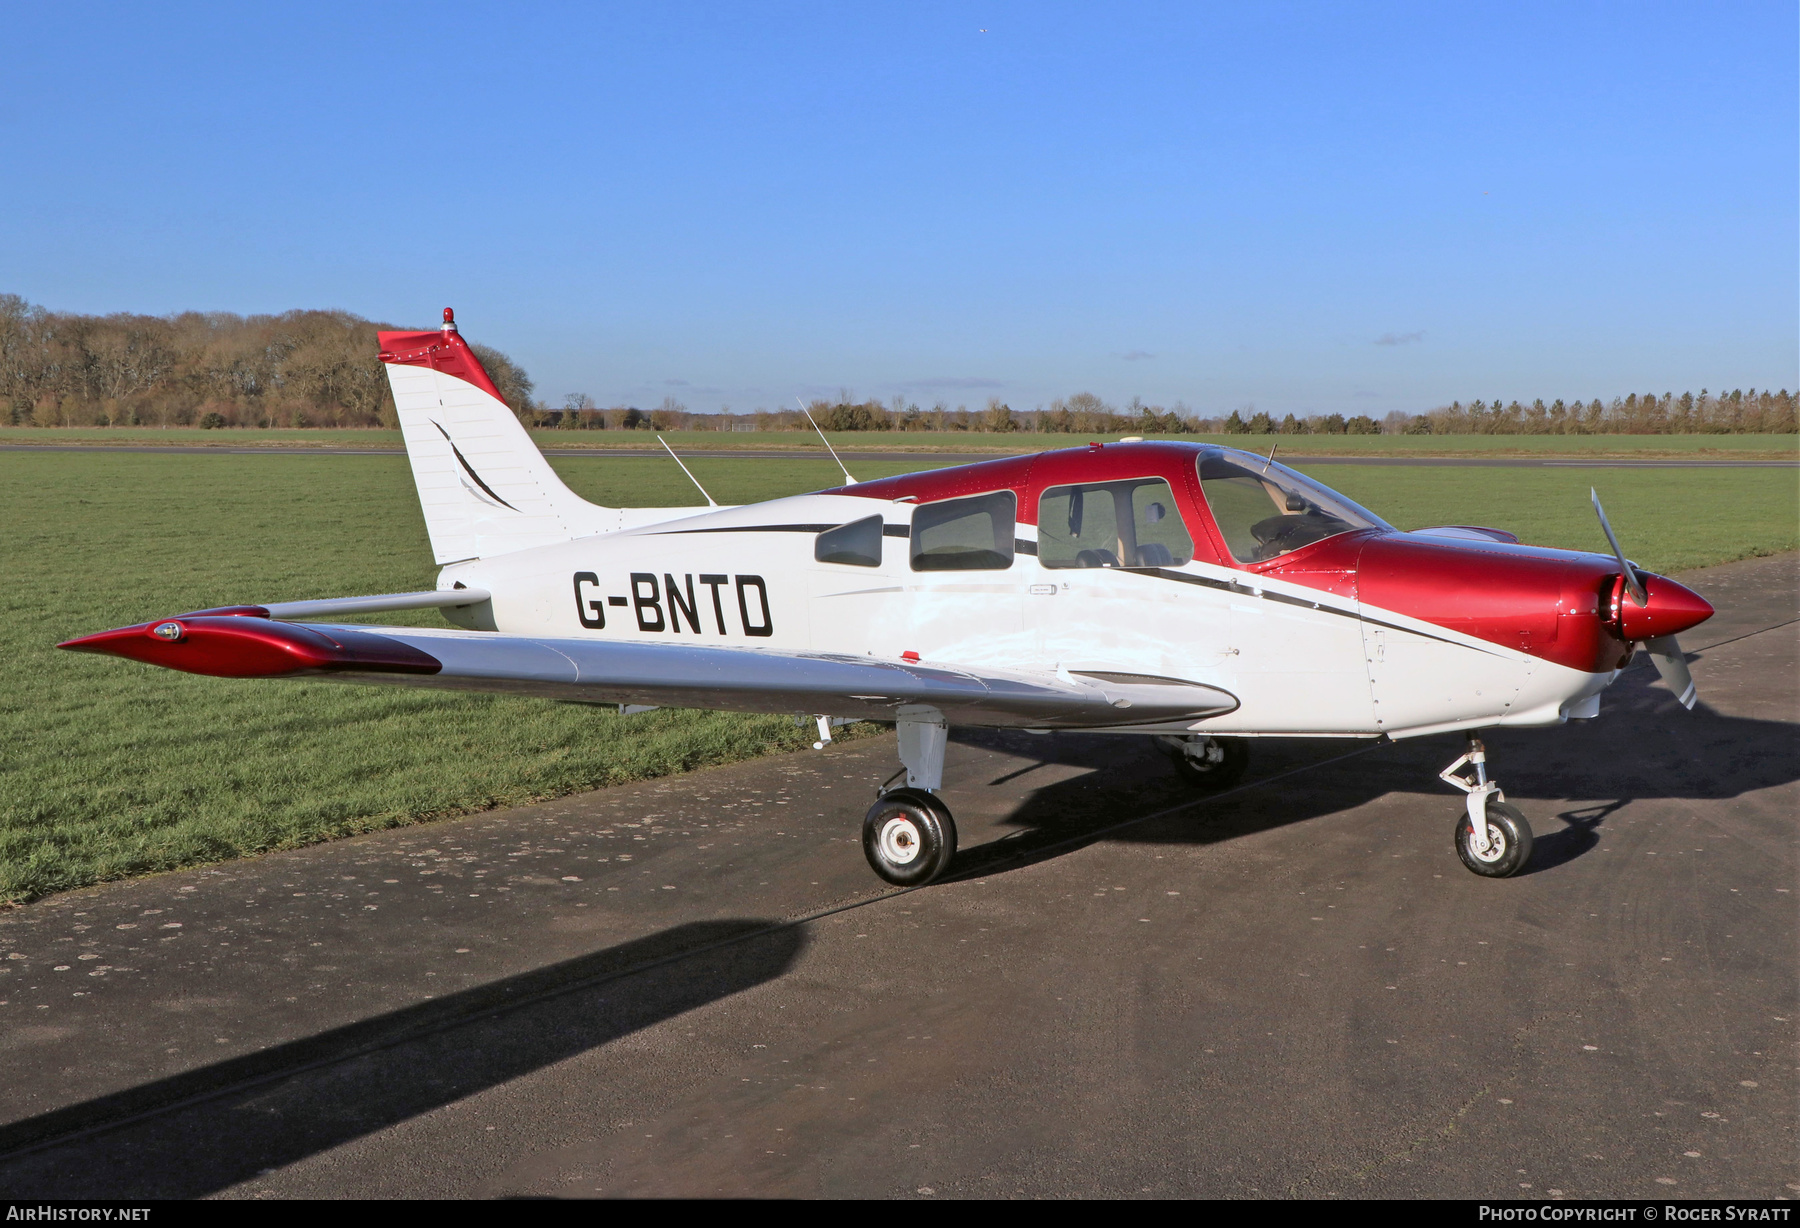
(1664, 652)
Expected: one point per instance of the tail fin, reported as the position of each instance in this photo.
(485, 487)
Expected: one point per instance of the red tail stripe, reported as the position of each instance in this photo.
(441, 351)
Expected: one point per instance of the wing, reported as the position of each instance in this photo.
(247, 643)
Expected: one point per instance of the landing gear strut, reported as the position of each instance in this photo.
(1206, 761)
(1492, 837)
(908, 834)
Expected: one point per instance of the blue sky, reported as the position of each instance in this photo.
(1305, 207)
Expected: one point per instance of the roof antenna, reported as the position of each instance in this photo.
(848, 480)
(710, 501)
(1270, 459)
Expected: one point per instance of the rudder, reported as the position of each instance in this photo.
(483, 485)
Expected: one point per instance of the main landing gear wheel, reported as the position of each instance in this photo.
(909, 837)
(1509, 841)
(1206, 762)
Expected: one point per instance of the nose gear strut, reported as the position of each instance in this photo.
(1492, 837)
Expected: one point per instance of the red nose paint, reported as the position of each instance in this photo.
(1670, 609)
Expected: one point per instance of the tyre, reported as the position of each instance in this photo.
(1509, 842)
(1222, 764)
(909, 837)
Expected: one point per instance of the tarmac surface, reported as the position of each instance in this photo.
(1479, 462)
(695, 986)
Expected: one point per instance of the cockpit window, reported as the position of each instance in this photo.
(1128, 523)
(1265, 510)
(974, 534)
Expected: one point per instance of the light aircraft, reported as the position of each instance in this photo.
(1198, 595)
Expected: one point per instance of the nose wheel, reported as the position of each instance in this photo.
(1492, 837)
(909, 837)
(1508, 845)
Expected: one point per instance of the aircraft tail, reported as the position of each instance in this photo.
(484, 486)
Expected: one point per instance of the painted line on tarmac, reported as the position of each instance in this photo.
(283, 1073)
(1747, 635)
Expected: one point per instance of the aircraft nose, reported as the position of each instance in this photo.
(1671, 609)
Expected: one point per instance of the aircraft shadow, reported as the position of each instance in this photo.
(1644, 746)
(203, 1131)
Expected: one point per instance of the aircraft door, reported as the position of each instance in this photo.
(1097, 598)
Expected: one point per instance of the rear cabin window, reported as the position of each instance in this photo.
(974, 534)
(1128, 523)
(857, 544)
(1265, 510)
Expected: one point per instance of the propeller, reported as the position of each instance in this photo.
(1633, 585)
(1671, 663)
(1664, 652)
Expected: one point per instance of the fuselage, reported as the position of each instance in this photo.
(1162, 559)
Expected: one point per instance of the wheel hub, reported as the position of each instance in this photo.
(900, 841)
(1496, 845)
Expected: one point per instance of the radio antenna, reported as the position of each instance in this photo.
(1270, 459)
(848, 480)
(710, 501)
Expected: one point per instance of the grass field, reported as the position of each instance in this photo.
(109, 769)
(1749, 447)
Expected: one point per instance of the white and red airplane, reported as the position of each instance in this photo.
(1195, 594)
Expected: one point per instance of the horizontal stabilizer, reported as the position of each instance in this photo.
(327, 607)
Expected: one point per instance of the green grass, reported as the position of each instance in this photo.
(109, 768)
(1667, 519)
(1765, 447)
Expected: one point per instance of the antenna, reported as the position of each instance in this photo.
(1270, 459)
(848, 480)
(710, 501)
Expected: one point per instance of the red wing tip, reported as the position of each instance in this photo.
(233, 646)
(87, 643)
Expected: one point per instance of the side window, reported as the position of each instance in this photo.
(857, 543)
(974, 534)
(1128, 523)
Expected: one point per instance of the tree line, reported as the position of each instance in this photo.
(1738, 412)
(1705, 413)
(213, 368)
(319, 368)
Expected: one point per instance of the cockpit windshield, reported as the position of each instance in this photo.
(1264, 510)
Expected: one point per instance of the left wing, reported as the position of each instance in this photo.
(246, 642)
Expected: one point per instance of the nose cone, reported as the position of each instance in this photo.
(1672, 608)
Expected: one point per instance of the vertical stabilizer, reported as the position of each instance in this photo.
(484, 486)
